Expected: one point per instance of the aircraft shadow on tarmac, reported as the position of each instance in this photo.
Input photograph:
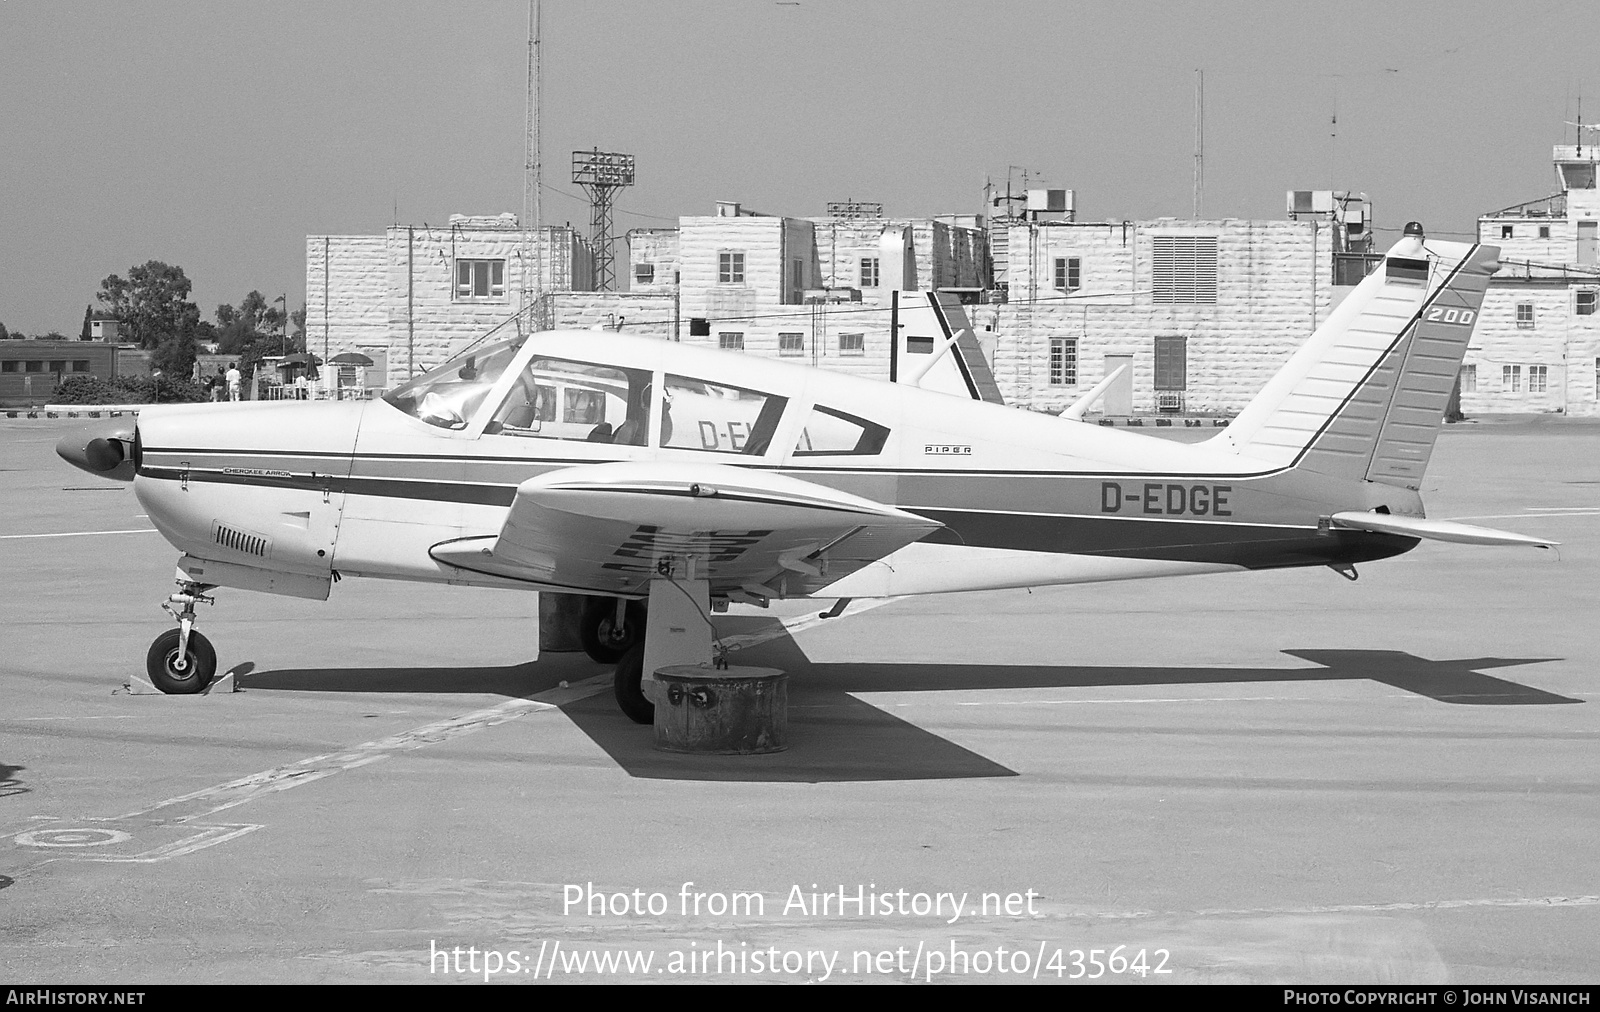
(9, 784)
(836, 737)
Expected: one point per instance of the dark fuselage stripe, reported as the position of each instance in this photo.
(1254, 546)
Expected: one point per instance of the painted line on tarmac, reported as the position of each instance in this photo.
(800, 623)
(1504, 902)
(1181, 699)
(77, 534)
(106, 716)
(233, 793)
(70, 841)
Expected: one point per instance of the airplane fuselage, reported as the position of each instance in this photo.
(369, 489)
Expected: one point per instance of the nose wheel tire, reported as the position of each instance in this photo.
(602, 640)
(629, 690)
(193, 671)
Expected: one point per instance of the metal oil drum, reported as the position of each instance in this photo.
(731, 711)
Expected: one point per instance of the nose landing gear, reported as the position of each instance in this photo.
(181, 661)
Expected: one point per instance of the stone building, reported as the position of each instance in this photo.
(1536, 347)
(1203, 312)
(815, 289)
(409, 297)
(810, 289)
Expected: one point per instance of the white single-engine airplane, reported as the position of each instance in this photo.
(665, 481)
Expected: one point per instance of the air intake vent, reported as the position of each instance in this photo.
(240, 541)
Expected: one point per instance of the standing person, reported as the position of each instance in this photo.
(233, 381)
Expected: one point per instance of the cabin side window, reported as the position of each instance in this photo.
(699, 414)
(828, 431)
(557, 398)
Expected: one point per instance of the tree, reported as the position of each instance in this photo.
(5, 335)
(174, 357)
(88, 331)
(251, 330)
(152, 303)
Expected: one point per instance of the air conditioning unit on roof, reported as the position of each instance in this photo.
(1310, 201)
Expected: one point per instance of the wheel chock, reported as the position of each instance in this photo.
(223, 684)
(136, 685)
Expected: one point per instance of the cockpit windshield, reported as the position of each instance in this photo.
(450, 395)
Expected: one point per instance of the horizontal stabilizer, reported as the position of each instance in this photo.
(1436, 530)
(1078, 408)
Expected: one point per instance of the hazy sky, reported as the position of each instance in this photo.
(217, 135)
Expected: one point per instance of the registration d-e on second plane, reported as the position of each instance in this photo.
(663, 481)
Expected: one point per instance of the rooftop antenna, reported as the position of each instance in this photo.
(1199, 138)
(532, 171)
(1581, 125)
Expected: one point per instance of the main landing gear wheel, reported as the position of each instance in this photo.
(630, 692)
(602, 639)
(191, 671)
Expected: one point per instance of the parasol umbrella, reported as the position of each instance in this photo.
(302, 359)
(351, 358)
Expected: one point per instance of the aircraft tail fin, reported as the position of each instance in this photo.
(934, 347)
(1363, 398)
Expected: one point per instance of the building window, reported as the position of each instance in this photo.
(1183, 269)
(869, 272)
(1469, 378)
(1538, 378)
(80, 365)
(480, 280)
(1505, 231)
(730, 340)
(730, 268)
(797, 278)
(791, 344)
(852, 344)
(644, 274)
(1525, 315)
(1511, 378)
(10, 365)
(1544, 231)
(35, 366)
(1069, 273)
(1586, 302)
(58, 365)
(1063, 362)
(1172, 362)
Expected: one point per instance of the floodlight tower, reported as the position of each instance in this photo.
(601, 174)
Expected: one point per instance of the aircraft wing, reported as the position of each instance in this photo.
(609, 528)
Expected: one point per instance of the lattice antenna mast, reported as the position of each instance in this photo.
(601, 174)
(532, 170)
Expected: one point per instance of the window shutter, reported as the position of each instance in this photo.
(1184, 269)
